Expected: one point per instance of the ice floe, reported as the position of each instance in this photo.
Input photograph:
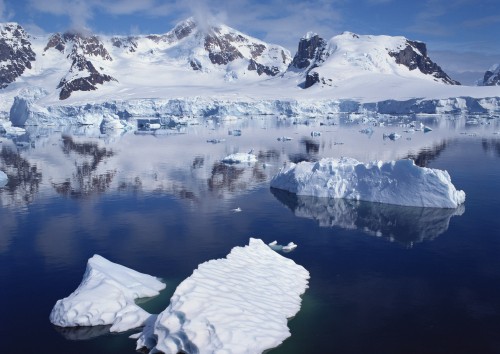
(106, 297)
(239, 304)
(240, 157)
(287, 248)
(398, 182)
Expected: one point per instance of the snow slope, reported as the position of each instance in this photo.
(106, 297)
(397, 182)
(239, 304)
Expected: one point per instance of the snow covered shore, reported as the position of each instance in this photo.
(106, 297)
(396, 182)
(239, 304)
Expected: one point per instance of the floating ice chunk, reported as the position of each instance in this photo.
(106, 297)
(315, 133)
(277, 247)
(239, 304)
(290, 247)
(215, 141)
(240, 157)
(236, 210)
(392, 136)
(234, 132)
(396, 182)
(3, 179)
(368, 131)
(426, 129)
(284, 138)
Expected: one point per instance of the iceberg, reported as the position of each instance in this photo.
(398, 182)
(239, 304)
(3, 179)
(106, 297)
(240, 157)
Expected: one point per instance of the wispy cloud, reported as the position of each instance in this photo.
(5, 13)
(483, 21)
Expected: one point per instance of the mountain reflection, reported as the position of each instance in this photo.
(406, 225)
(85, 180)
(425, 156)
(24, 178)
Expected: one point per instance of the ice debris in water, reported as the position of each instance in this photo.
(287, 248)
(240, 157)
(284, 138)
(398, 182)
(236, 210)
(106, 297)
(239, 304)
(392, 136)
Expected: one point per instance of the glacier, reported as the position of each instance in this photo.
(123, 114)
(106, 297)
(398, 182)
(239, 304)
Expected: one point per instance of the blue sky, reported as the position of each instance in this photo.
(461, 35)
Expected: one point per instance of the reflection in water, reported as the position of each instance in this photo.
(491, 146)
(406, 225)
(310, 154)
(85, 180)
(24, 178)
(82, 333)
(426, 155)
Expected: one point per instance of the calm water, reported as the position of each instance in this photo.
(384, 279)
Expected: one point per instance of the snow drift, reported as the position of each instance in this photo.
(106, 297)
(397, 182)
(239, 304)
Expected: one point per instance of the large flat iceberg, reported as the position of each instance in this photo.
(106, 297)
(396, 182)
(239, 304)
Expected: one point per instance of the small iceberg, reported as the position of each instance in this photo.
(215, 141)
(277, 247)
(426, 129)
(315, 133)
(284, 138)
(398, 182)
(240, 157)
(393, 136)
(106, 297)
(238, 304)
(234, 132)
(3, 179)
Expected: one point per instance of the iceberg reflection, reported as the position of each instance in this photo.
(406, 225)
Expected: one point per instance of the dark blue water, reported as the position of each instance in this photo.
(383, 279)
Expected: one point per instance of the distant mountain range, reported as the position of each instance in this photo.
(207, 70)
(70, 62)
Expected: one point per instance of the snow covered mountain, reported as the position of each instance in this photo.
(350, 55)
(491, 76)
(84, 62)
(16, 54)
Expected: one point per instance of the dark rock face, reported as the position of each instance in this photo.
(262, 69)
(311, 79)
(127, 43)
(311, 51)
(492, 77)
(86, 45)
(87, 83)
(220, 50)
(414, 56)
(16, 54)
(83, 76)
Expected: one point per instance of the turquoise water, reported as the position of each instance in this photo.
(384, 279)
